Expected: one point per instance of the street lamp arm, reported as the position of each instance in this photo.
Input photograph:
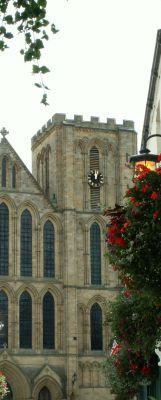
(150, 136)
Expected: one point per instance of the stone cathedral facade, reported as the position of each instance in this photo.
(54, 278)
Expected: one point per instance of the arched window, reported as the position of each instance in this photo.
(3, 319)
(26, 244)
(13, 176)
(94, 166)
(96, 327)
(49, 249)
(4, 239)
(44, 394)
(95, 250)
(4, 171)
(25, 326)
(48, 322)
(47, 173)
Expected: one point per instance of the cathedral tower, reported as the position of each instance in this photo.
(54, 278)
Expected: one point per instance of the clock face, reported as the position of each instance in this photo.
(95, 178)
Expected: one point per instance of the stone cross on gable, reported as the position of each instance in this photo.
(4, 132)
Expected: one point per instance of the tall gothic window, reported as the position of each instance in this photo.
(3, 319)
(44, 394)
(4, 171)
(26, 244)
(49, 249)
(4, 239)
(96, 327)
(47, 173)
(25, 315)
(94, 166)
(95, 250)
(13, 176)
(48, 322)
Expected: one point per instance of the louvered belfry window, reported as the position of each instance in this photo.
(3, 318)
(26, 243)
(96, 327)
(25, 321)
(4, 239)
(95, 250)
(94, 165)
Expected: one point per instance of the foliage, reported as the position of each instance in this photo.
(133, 243)
(135, 318)
(134, 234)
(29, 19)
(126, 370)
(3, 385)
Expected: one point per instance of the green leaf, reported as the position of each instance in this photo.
(44, 69)
(35, 69)
(8, 35)
(38, 85)
(44, 100)
(39, 44)
(9, 19)
(28, 38)
(22, 51)
(42, 3)
(53, 29)
(2, 30)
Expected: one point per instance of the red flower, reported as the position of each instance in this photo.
(156, 214)
(115, 348)
(127, 294)
(132, 199)
(159, 158)
(121, 242)
(136, 204)
(154, 196)
(134, 368)
(145, 188)
(128, 191)
(146, 371)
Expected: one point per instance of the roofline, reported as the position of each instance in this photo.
(151, 91)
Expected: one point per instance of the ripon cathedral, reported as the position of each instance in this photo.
(54, 278)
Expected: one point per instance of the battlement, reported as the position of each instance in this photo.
(94, 123)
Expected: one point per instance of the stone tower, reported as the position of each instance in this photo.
(55, 280)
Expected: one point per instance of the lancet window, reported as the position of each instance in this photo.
(96, 327)
(25, 327)
(95, 254)
(48, 322)
(4, 239)
(26, 243)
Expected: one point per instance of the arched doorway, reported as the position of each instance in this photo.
(44, 394)
(9, 395)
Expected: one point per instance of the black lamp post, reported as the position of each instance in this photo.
(145, 157)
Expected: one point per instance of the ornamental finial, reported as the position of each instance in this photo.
(4, 132)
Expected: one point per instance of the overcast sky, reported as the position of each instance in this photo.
(100, 65)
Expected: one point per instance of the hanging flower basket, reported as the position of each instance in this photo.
(3, 385)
